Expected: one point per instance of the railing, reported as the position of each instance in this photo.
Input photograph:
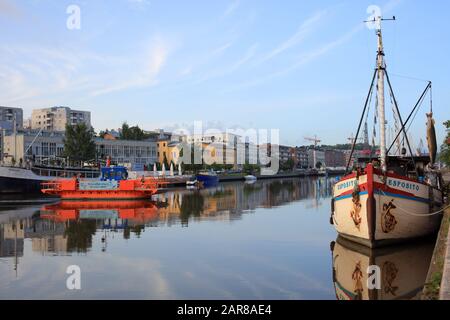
(50, 186)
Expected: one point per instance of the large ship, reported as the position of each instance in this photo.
(389, 198)
(20, 180)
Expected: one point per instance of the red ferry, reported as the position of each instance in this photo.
(113, 185)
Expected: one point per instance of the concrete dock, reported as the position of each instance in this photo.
(444, 293)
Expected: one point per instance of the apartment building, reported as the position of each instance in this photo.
(7, 117)
(56, 118)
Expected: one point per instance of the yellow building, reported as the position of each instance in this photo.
(169, 149)
(163, 150)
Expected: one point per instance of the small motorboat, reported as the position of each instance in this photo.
(250, 178)
(194, 184)
(113, 185)
(208, 178)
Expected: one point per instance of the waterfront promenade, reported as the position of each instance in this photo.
(445, 283)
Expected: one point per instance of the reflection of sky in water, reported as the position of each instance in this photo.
(269, 240)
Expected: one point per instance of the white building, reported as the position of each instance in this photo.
(20, 147)
(56, 118)
(315, 157)
(143, 152)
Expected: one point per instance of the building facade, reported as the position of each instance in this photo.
(316, 157)
(301, 157)
(334, 158)
(56, 118)
(7, 117)
(135, 153)
(42, 148)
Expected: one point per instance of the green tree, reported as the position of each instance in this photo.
(445, 148)
(102, 133)
(132, 133)
(288, 164)
(79, 142)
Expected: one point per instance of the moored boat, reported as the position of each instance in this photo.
(113, 185)
(388, 198)
(207, 178)
(19, 180)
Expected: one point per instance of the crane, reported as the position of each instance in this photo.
(316, 141)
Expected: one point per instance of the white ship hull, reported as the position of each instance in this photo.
(380, 212)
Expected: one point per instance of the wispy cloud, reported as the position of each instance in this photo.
(303, 31)
(307, 57)
(222, 48)
(249, 54)
(231, 8)
(146, 76)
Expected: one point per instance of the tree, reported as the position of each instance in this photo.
(102, 133)
(445, 148)
(79, 142)
(132, 133)
(288, 164)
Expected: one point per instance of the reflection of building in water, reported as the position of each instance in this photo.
(403, 270)
(11, 239)
(47, 237)
(229, 200)
(70, 226)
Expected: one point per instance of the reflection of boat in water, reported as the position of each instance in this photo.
(208, 178)
(403, 270)
(73, 210)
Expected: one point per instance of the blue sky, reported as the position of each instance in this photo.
(303, 67)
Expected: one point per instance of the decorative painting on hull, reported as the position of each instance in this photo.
(388, 220)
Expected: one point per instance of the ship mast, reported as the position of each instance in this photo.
(381, 72)
(380, 95)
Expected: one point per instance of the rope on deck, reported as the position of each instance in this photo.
(419, 214)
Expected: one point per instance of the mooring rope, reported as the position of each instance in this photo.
(419, 214)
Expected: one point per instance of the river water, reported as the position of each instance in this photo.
(266, 240)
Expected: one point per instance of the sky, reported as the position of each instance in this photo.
(303, 67)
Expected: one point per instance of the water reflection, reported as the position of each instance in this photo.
(403, 270)
(74, 229)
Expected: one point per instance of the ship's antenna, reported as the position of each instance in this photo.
(380, 94)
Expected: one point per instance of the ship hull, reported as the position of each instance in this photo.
(383, 211)
(19, 180)
(16, 180)
(208, 180)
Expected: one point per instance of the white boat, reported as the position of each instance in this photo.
(250, 178)
(388, 198)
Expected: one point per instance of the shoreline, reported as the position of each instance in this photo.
(437, 282)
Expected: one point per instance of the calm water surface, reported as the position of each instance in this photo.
(267, 240)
